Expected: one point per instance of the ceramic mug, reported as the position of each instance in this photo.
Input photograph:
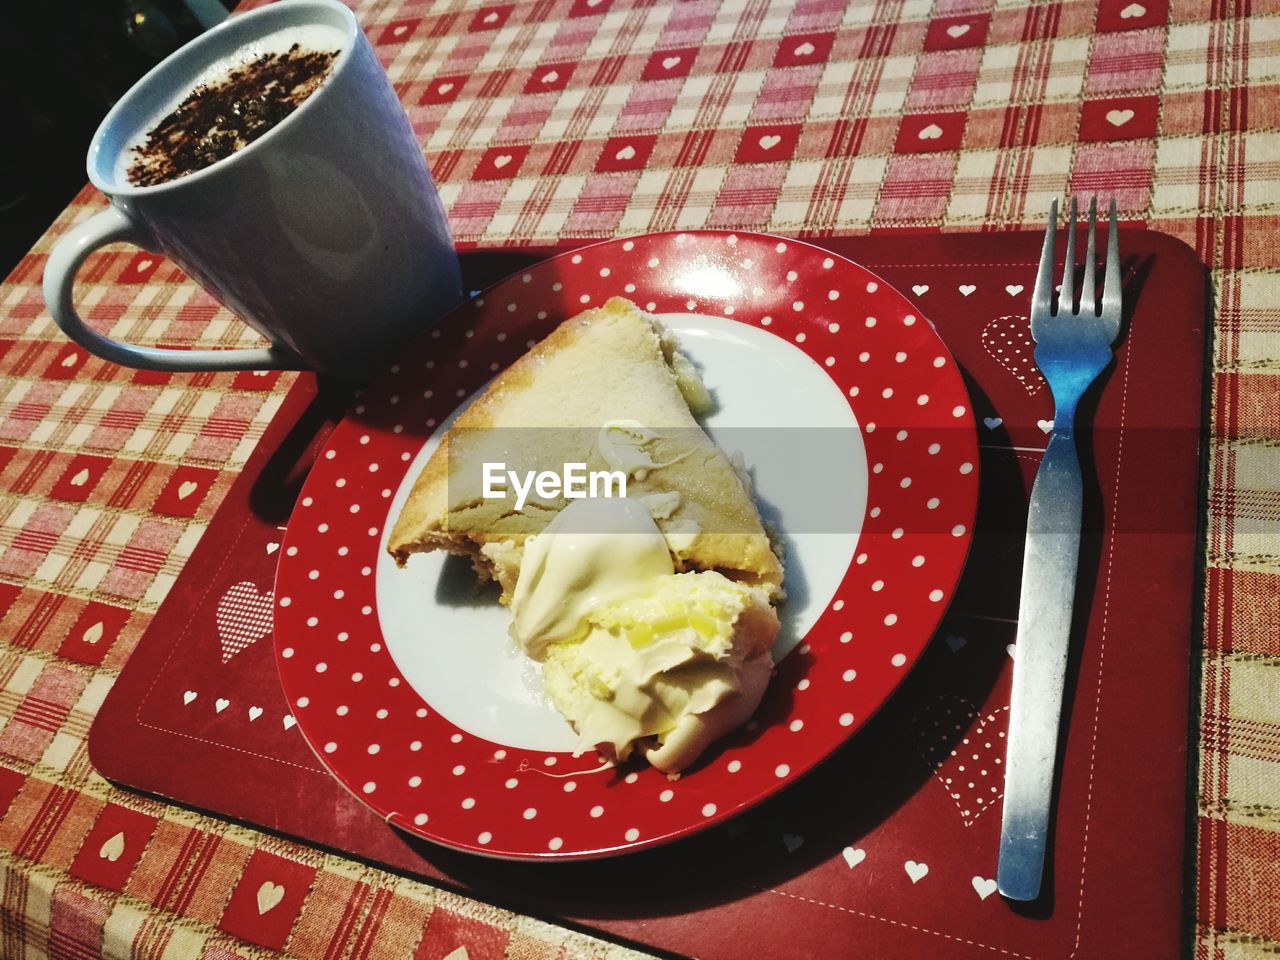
(325, 234)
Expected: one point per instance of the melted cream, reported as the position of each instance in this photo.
(595, 551)
(626, 445)
(632, 651)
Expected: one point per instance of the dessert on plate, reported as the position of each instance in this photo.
(651, 613)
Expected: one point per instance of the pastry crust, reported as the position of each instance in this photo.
(607, 364)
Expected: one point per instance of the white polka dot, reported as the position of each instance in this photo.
(321, 667)
(570, 786)
(898, 659)
(287, 652)
(838, 605)
(932, 503)
(800, 337)
(781, 248)
(803, 684)
(484, 837)
(576, 258)
(468, 803)
(549, 762)
(830, 361)
(597, 811)
(958, 530)
(935, 595)
(917, 561)
(629, 778)
(330, 747)
(415, 746)
(499, 754)
(420, 819)
(511, 783)
(864, 356)
(934, 448)
(529, 813)
(420, 712)
(734, 766)
(904, 482)
(897, 533)
(833, 327)
(285, 601)
(792, 276)
(459, 770)
(922, 399)
(373, 749)
(796, 726)
(708, 809)
(369, 787)
(848, 675)
(846, 719)
(871, 321)
(957, 411)
(872, 287)
(456, 738)
(966, 468)
(890, 619)
(653, 261)
(555, 843)
(781, 770)
(666, 795)
(304, 701)
(846, 637)
(797, 305)
(357, 677)
(766, 320)
(909, 320)
(828, 263)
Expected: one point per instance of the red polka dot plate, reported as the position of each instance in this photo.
(836, 391)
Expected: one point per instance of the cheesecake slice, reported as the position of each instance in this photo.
(607, 389)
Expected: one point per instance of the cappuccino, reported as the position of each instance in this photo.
(232, 105)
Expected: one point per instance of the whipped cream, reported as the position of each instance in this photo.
(594, 551)
(634, 653)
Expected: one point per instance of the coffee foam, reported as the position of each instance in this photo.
(310, 37)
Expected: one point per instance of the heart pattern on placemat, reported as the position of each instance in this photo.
(1008, 340)
(968, 759)
(243, 617)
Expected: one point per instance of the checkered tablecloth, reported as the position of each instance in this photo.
(568, 118)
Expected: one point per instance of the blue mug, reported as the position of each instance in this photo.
(325, 235)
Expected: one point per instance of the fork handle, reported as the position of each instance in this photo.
(1040, 660)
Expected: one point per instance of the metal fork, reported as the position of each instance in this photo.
(1073, 345)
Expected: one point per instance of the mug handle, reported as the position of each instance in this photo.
(113, 226)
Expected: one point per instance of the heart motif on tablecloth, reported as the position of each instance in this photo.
(967, 759)
(1008, 341)
(243, 617)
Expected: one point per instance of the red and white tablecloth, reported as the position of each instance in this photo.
(550, 119)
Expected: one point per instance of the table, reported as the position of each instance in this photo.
(813, 118)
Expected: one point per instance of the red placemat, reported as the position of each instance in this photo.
(888, 850)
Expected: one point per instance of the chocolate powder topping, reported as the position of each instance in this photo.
(223, 116)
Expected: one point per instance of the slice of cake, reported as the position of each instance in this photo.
(607, 389)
